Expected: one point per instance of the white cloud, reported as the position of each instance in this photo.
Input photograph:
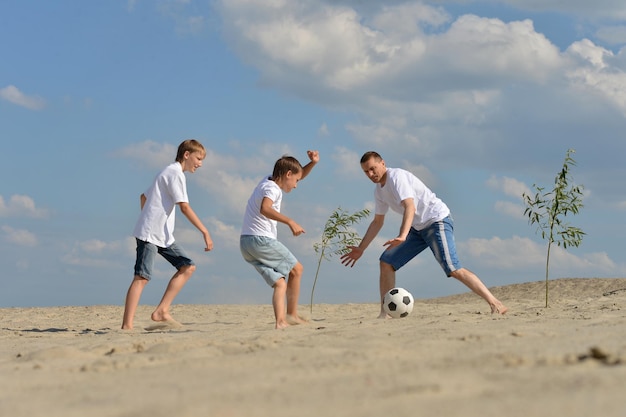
(509, 186)
(338, 50)
(13, 95)
(98, 253)
(347, 162)
(230, 188)
(423, 86)
(225, 234)
(595, 73)
(614, 35)
(96, 246)
(512, 188)
(20, 237)
(510, 209)
(482, 48)
(150, 153)
(21, 206)
(309, 40)
(522, 253)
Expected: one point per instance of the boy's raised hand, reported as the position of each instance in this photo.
(314, 156)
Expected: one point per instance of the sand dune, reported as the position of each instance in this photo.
(450, 357)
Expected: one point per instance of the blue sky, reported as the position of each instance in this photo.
(481, 100)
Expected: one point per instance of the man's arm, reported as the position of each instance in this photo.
(405, 226)
(350, 258)
(186, 209)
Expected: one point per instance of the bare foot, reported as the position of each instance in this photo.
(160, 315)
(281, 324)
(383, 315)
(165, 325)
(498, 308)
(130, 330)
(296, 319)
(163, 320)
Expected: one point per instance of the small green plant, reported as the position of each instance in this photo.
(547, 209)
(336, 237)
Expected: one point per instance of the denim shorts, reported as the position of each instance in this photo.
(269, 257)
(146, 252)
(439, 237)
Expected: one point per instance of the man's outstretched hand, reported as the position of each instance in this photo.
(350, 258)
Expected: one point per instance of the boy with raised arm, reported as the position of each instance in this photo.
(259, 237)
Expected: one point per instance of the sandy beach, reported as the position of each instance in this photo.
(450, 357)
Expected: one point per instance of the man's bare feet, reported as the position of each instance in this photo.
(383, 315)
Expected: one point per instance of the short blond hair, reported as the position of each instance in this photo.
(189, 145)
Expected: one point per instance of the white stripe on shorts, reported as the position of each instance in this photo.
(446, 252)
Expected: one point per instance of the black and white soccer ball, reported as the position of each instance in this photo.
(398, 303)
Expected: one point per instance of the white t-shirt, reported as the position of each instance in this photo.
(402, 184)
(157, 219)
(256, 224)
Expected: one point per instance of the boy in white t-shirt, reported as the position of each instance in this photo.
(426, 223)
(154, 233)
(259, 237)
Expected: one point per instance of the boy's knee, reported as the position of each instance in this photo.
(297, 270)
(188, 269)
(138, 280)
(280, 284)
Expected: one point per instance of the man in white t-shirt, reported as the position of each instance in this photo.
(154, 233)
(259, 237)
(426, 223)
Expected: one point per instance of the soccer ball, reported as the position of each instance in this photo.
(398, 302)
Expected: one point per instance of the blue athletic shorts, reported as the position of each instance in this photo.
(439, 237)
(271, 258)
(146, 252)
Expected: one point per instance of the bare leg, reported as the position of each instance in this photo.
(293, 294)
(474, 283)
(178, 281)
(278, 302)
(132, 301)
(387, 282)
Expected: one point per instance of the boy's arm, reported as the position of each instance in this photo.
(186, 209)
(314, 156)
(142, 200)
(268, 211)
